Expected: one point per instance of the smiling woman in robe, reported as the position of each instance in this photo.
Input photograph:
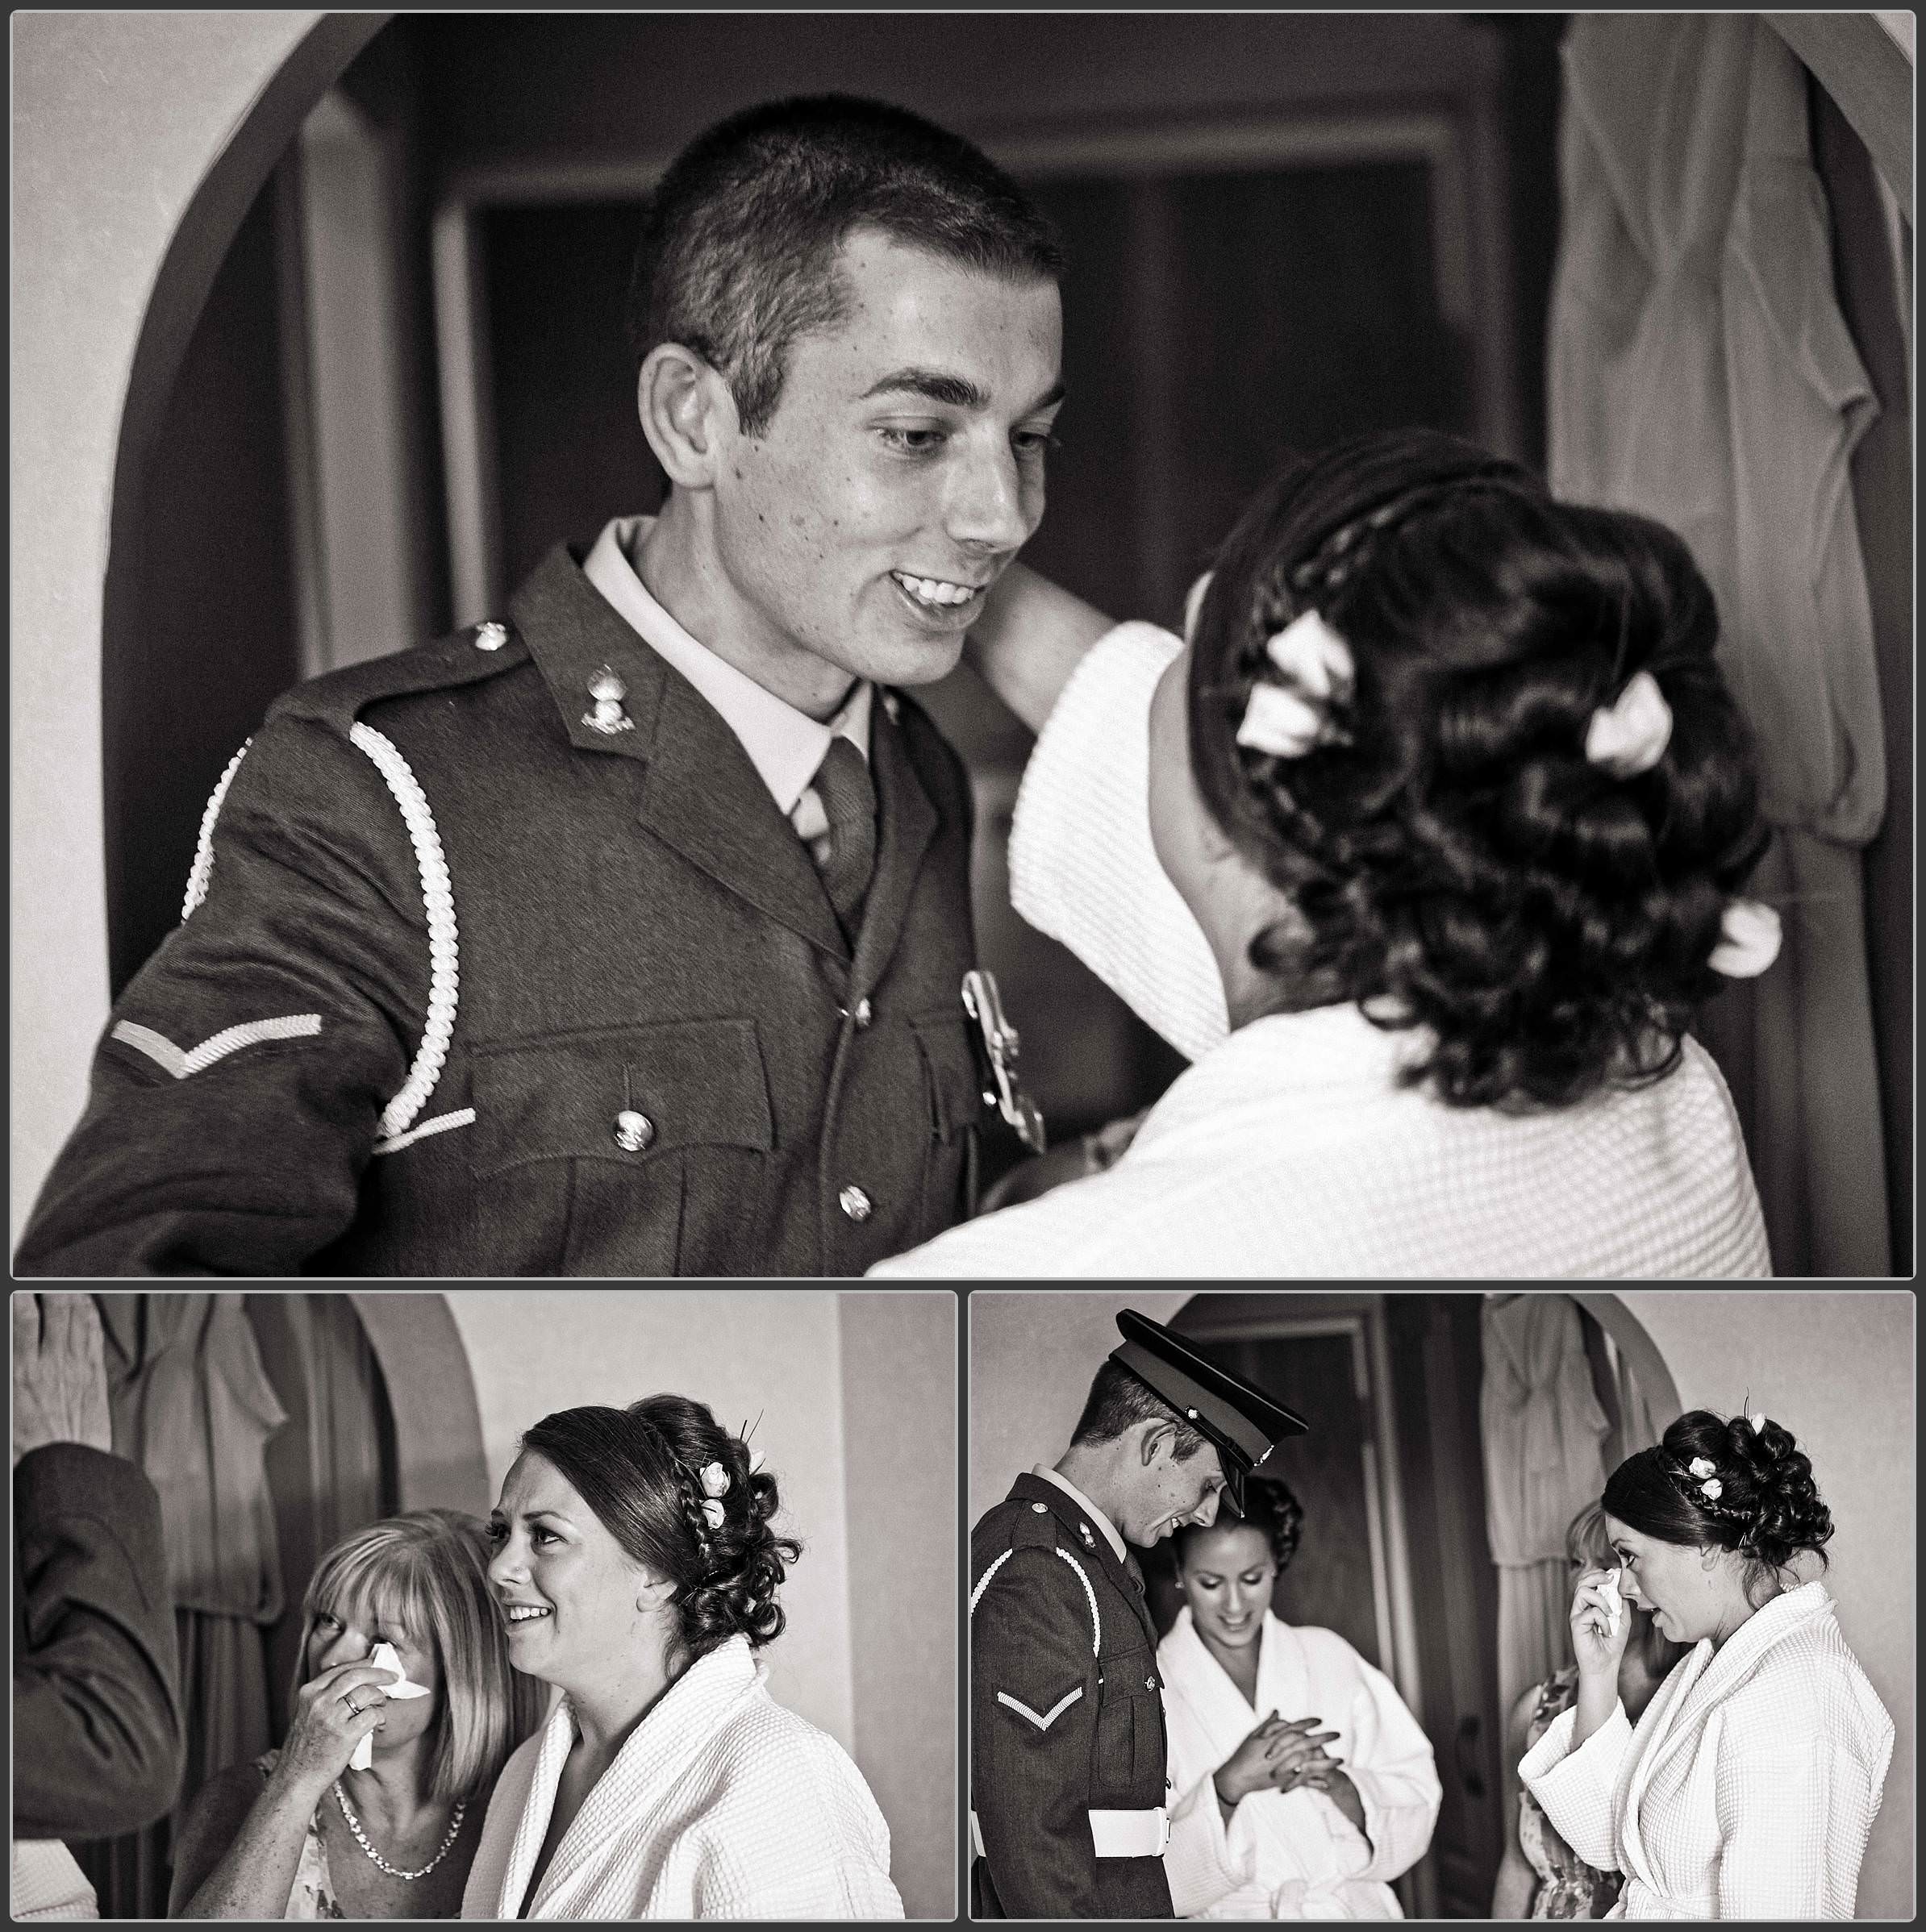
(636, 1570)
(1334, 1791)
(1748, 1788)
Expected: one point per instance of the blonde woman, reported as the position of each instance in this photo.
(302, 1833)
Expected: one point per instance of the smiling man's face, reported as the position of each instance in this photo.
(902, 470)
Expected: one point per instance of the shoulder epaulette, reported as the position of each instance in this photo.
(463, 657)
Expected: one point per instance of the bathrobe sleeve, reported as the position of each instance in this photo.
(1390, 1764)
(1082, 866)
(1796, 1805)
(1207, 1860)
(1576, 1789)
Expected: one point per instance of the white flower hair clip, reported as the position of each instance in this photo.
(715, 1480)
(1710, 1488)
(1758, 1422)
(1289, 719)
(1630, 735)
(1750, 934)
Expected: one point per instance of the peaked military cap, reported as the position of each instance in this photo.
(1240, 1420)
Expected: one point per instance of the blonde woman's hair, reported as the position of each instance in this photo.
(428, 1570)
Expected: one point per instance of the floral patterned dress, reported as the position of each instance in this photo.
(312, 1895)
(1568, 1888)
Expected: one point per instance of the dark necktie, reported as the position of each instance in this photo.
(842, 782)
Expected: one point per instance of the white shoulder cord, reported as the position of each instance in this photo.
(437, 893)
(202, 867)
(1090, 1594)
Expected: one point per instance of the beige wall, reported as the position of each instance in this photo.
(857, 1397)
(116, 119)
(899, 1428)
(1835, 1367)
(1032, 1355)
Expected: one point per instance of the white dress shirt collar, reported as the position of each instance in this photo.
(1089, 1507)
(785, 745)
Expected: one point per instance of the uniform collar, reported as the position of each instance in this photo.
(785, 745)
(1111, 1533)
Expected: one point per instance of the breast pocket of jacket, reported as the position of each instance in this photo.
(952, 1087)
(636, 1150)
(1130, 1754)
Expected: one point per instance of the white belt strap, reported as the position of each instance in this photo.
(1113, 1833)
(438, 898)
(1130, 1833)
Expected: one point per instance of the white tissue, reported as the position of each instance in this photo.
(1615, 1603)
(385, 1657)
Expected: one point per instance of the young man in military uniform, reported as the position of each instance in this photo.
(623, 934)
(1068, 1785)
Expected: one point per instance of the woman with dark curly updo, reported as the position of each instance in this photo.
(1425, 843)
(1333, 1792)
(637, 1569)
(1747, 1789)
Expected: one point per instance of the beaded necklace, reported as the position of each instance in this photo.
(361, 1837)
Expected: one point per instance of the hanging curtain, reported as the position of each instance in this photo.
(332, 1469)
(1700, 371)
(264, 1423)
(192, 1406)
(1541, 1425)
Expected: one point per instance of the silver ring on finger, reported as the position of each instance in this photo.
(354, 1709)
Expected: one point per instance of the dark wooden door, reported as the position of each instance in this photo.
(1436, 1365)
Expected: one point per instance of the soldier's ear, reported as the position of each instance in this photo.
(1156, 1441)
(687, 412)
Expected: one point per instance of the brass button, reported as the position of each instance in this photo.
(633, 1131)
(1150, 1684)
(862, 1014)
(1040, 1508)
(854, 1203)
(491, 636)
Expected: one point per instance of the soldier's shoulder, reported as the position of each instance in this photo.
(473, 656)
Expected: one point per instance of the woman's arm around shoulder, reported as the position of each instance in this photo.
(1511, 1896)
(1031, 635)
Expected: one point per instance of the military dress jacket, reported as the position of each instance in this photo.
(1066, 1714)
(98, 1734)
(476, 988)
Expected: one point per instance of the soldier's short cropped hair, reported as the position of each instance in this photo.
(1118, 1401)
(737, 256)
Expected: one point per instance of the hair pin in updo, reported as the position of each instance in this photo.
(1629, 735)
(714, 1479)
(1289, 719)
(1749, 934)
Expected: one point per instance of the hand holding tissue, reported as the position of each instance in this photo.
(1608, 1589)
(384, 1657)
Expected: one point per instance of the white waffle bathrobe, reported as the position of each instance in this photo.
(1288, 1148)
(722, 1804)
(1293, 1855)
(1749, 1788)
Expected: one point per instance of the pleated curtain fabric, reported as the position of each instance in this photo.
(1541, 1427)
(1700, 371)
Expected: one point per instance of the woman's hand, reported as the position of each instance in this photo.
(1301, 1760)
(1273, 1757)
(333, 1714)
(1595, 1645)
(1249, 1768)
